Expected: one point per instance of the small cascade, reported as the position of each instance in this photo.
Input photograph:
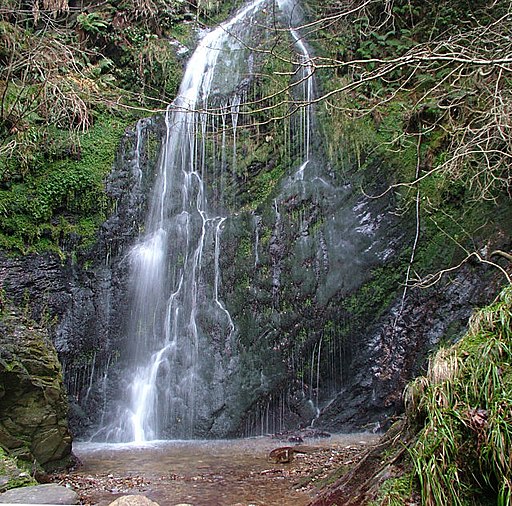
(305, 84)
(91, 379)
(235, 110)
(314, 379)
(276, 254)
(269, 417)
(217, 278)
(138, 147)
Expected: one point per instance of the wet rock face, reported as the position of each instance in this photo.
(395, 349)
(38, 283)
(286, 269)
(299, 257)
(89, 334)
(33, 404)
(82, 301)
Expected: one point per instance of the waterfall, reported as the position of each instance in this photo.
(306, 81)
(175, 286)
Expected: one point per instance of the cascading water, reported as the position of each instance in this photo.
(305, 82)
(306, 75)
(175, 274)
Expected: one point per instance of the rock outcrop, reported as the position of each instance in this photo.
(33, 404)
(394, 350)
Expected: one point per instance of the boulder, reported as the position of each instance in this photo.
(49, 493)
(33, 404)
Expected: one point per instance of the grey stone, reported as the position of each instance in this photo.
(49, 493)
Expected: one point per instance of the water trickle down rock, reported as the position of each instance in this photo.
(288, 355)
(177, 375)
(173, 365)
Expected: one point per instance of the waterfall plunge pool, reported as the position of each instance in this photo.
(210, 473)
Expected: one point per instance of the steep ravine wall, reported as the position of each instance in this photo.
(80, 300)
(280, 328)
(394, 349)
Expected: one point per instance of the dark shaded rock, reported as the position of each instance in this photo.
(40, 284)
(395, 349)
(33, 405)
(49, 493)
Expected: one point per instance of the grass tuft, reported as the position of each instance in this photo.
(462, 410)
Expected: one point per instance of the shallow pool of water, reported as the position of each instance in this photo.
(210, 473)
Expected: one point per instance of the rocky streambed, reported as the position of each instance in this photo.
(207, 473)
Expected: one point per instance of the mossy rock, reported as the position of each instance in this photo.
(33, 407)
(13, 474)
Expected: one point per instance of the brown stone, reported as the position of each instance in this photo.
(133, 500)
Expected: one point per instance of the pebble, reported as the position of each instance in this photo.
(133, 500)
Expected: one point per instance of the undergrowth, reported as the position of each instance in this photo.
(72, 79)
(62, 196)
(461, 411)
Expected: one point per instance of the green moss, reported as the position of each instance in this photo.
(332, 477)
(395, 491)
(62, 118)
(245, 248)
(64, 196)
(450, 232)
(182, 32)
(17, 472)
(375, 296)
(263, 186)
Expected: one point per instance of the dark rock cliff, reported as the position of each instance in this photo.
(395, 349)
(311, 273)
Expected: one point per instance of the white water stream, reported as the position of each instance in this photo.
(175, 266)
